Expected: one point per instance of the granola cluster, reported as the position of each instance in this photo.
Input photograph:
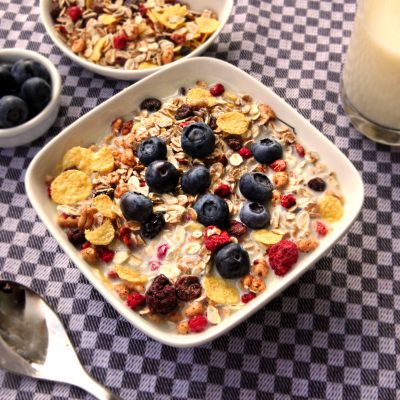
(131, 35)
(163, 262)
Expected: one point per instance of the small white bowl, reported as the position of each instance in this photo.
(223, 8)
(40, 124)
(96, 124)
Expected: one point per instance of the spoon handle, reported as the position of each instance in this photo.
(86, 382)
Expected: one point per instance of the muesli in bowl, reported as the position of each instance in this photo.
(191, 202)
(131, 35)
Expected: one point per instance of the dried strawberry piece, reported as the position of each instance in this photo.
(162, 250)
(245, 152)
(142, 10)
(106, 255)
(282, 256)
(75, 13)
(320, 228)
(120, 42)
(217, 90)
(125, 236)
(237, 229)
(288, 200)
(112, 275)
(246, 297)
(86, 245)
(197, 323)
(300, 150)
(185, 123)
(135, 300)
(278, 165)
(142, 184)
(223, 190)
(215, 238)
(62, 29)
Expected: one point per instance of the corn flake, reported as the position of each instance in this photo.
(70, 187)
(102, 235)
(77, 157)
(130, 275)
(330, 207)
(104, 206)
(207, 25)
(266, 237)
(98, 49)
(219, 291)
(199, 95)
(147, 65)
(233, 122)
(102, 161)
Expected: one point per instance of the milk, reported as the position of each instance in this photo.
(371, 75)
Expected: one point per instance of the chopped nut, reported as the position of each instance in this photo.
(307, 245)
(195, 308)
(280, 179)
(257, 285)
(89, 255)
(260, 268)
(183, 327)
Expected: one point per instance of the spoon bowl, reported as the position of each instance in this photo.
(33, 341)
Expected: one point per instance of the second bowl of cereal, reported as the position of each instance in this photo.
(131, 40)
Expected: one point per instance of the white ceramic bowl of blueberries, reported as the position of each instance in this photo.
(30, 87)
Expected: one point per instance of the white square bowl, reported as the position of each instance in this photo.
(96, 123)
(223, 9)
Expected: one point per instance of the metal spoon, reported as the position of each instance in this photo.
(33, 341)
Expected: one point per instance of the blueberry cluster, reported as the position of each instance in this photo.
(25, 90)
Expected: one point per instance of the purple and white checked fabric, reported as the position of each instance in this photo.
(335, 334)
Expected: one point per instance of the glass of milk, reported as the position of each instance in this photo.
(370, 87)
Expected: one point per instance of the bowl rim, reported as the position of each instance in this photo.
(236, 318)
(122, 73)
(55, 91)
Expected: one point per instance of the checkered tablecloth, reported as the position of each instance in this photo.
(334, 334)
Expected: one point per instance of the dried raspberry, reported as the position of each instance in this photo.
(214, 238)
(76, 236)
(217, 90)
(320, 228)
(197, 323)
(142, 184)
(245, 152)
(135, 300)
(288, 200)
(188, 288)
(278, 165)
(120, 42)
(223, 190)
(142, 10)
(178, 38)
(105, 254)
(162, 250)
(154, 265)
(237, 229)
(112, 275)
(161, 296)
(300, 150)
(282, 256)
(235, 143)
(246, 297)
(75, 13)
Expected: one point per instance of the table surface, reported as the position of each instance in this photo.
(334, 334)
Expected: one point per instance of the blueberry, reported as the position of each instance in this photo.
(7, 82)
(161, 176)
(13, 111)
(7, 66)
(266, 151)
(254, 215)
(136, 206)
(25, 69)
(256, 186)
(36, 92)
(197, 139)
(152, 149)
(196, 180)
(185, 50)
(212, 210)
(232, 261)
